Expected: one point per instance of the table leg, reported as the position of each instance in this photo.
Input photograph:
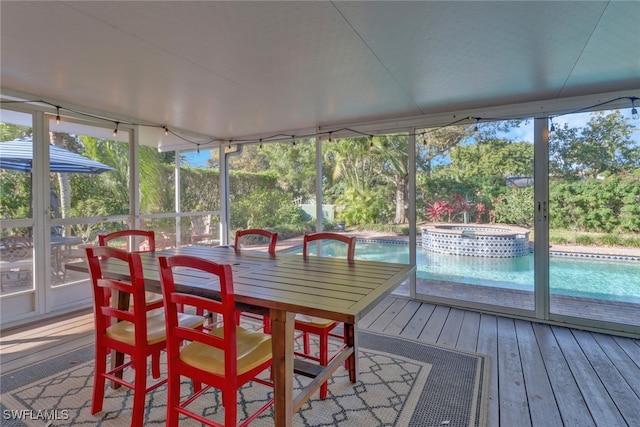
(282, 333)
(351, 337)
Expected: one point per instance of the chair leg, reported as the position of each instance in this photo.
(305, 340)
(324, 360)
(99, 381)
(230, 407)
(155, 365)
(267, 324)
(139, 393)
(173, 399)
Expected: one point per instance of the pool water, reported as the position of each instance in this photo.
(607, 280)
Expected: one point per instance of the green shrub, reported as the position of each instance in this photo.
(633, 242)
(584, 239)
(558, 240)
(610, 239)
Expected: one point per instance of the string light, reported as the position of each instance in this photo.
(280, 137)
(552, 128)
(198, 148)
(370, 141)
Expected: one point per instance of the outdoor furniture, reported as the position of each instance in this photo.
(226, 357)
(320, 326)
(16, 261)
(129, 237)
(272, 238)
(201, 230)
(278, 285)
(60, 252)
(153, 300)
(137, 333)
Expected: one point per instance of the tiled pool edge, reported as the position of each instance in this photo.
(560, 254)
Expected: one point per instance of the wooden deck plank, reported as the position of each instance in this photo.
(468, 337)
(488, 344)
(451, 330)
(542, 405)
(371, 317)
(402, 319)
(569, 401)
(631, 347)
(418, 322)
(47, 334)
(514, 407)
(386, 317)
(621, 359)
(623, 396)
(600, 405)
(434, 325)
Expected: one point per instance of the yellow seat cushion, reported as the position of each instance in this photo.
(318, 322)
(253, 349)
(124, 331)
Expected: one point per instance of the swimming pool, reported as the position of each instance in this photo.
(601, 279)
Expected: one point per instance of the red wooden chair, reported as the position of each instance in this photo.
(317, 325)
(153, 300)
(148, 245)
(225, 358)
(136, 333)
(272, 239)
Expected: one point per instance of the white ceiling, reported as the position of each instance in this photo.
(233, 70)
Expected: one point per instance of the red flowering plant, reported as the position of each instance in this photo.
(454, 210)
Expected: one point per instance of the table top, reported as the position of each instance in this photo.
(333, 288)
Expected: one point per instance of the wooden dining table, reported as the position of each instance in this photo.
(280, 286)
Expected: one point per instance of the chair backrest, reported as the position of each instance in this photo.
(314, 237)
(217, 273)
(106, 312)
(148, 245)
(273, 237)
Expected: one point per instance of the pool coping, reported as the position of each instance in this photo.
(554, 253)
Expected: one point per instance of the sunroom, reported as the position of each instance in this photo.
(413, 125)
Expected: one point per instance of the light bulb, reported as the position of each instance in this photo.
(57, 115)
(634, 113)
(115, 131)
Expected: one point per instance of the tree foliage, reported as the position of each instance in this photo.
(461, 175)
(603, 146)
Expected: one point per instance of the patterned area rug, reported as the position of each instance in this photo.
(401, 383)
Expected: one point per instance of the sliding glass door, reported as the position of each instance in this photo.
(594, 206)
(474, 203)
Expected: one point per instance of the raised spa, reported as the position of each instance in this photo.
(494, 241)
